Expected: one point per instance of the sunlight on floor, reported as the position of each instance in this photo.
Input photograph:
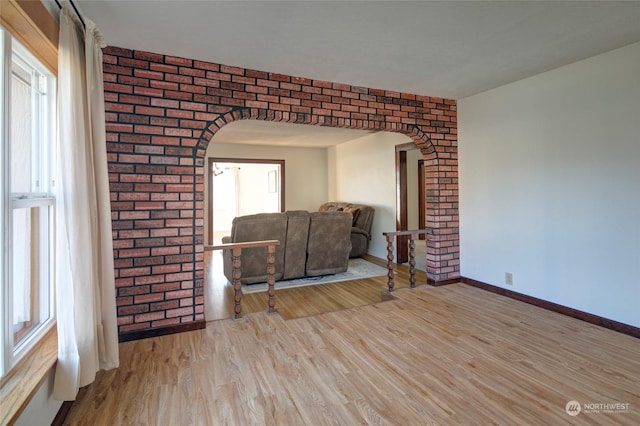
(217, 303)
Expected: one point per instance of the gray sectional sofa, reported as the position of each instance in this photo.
(311, 244)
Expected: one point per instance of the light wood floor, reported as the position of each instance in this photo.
(436, 355)
(297, 302)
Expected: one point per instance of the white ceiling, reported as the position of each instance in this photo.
(450, 49)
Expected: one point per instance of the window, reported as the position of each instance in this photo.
(27, 123)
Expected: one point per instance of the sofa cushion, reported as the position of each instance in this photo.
(362, 222)
(258, 227)
(329, 243)
(295, 251)
(363, 218)
(355, 212)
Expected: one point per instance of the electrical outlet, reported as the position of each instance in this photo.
(508, 278)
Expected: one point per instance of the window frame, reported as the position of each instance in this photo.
(40, 198)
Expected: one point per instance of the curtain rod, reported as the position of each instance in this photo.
(75, 9)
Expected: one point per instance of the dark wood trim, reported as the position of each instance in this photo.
(407, 146)
(63, 412)
(422, 215)
(209, 171)
(163, 331)
(564, 310)
(402, 216)
(209, 198)
(441, 283)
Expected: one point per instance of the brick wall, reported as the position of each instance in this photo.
(161, 113)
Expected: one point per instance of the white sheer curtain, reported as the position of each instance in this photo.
(85, 285)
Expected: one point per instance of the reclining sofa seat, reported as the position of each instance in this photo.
(311, 244)
(329, 243)
(256, 227)
(361, 226)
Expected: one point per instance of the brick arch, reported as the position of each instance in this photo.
(161, 113)
(420, 138)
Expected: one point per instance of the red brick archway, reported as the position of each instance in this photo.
(161, 113)
(421, 140)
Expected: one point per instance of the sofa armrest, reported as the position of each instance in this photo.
(356, 230)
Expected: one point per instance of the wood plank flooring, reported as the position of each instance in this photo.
(436, 355)
(301, 301)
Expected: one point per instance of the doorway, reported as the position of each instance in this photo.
(410, 195)
(422, 220)
(239, 187)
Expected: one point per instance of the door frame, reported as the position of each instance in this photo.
(422, 213)
(402, 216)
(210, 169)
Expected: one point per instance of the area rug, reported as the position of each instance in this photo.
(357, 269)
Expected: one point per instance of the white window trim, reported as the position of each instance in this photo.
(12, 354)
(4, 193)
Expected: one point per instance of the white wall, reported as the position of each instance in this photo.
(550, 185)
(253, 189)
(365, 173)
(306, 180)
(42, 408)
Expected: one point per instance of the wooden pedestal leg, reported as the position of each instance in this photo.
(390, 277)
(412, 261)
(271, 281)
(237, 286)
